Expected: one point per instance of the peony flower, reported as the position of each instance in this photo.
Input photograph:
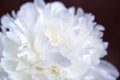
(52, 42)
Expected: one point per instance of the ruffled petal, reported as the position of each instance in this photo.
(26, 15)
(3, 75)
(8, 66)
(23, 75)
(103, 71)
(1, 45)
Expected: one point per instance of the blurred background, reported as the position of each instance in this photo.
(107, 13)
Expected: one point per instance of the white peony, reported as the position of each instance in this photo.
(52, 42)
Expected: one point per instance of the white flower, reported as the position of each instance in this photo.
(52, 42)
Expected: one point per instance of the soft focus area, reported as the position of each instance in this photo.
(107, 13)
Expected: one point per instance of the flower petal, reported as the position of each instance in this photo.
(103, 71)
(3, 74)
(8, 66)
(60, 59)
(23, 75)
(1, 45)
(30, 13)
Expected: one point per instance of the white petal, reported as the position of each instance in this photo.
(39, 3)
(23, 75)
(80, 12)
(98, 30)
(22, 65)
(57, 7)
(41, 40)
(103, 71)
(109, 68)
(8, 66)
(13, 37)
(5, 20)
(9, 45)
(28, 15)
(1, 45)
(40, 76)
(60, 59)
(3, 74)
(10, 55)
(32, 56)
(78, 69)
(72, 11)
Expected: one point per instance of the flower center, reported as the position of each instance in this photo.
(53, 34)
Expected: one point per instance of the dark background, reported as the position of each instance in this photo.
(107, 13)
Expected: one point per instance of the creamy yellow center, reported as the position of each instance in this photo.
(53, 34)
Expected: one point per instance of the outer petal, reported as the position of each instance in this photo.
(108, 68)
(3, 74)
(10, 49)
(1, 45)
(103, 71)
(8, 66)
(5, 22)
(57, 7)
(39, 3)
(28, 15)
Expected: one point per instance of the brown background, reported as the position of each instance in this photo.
(107, 13)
